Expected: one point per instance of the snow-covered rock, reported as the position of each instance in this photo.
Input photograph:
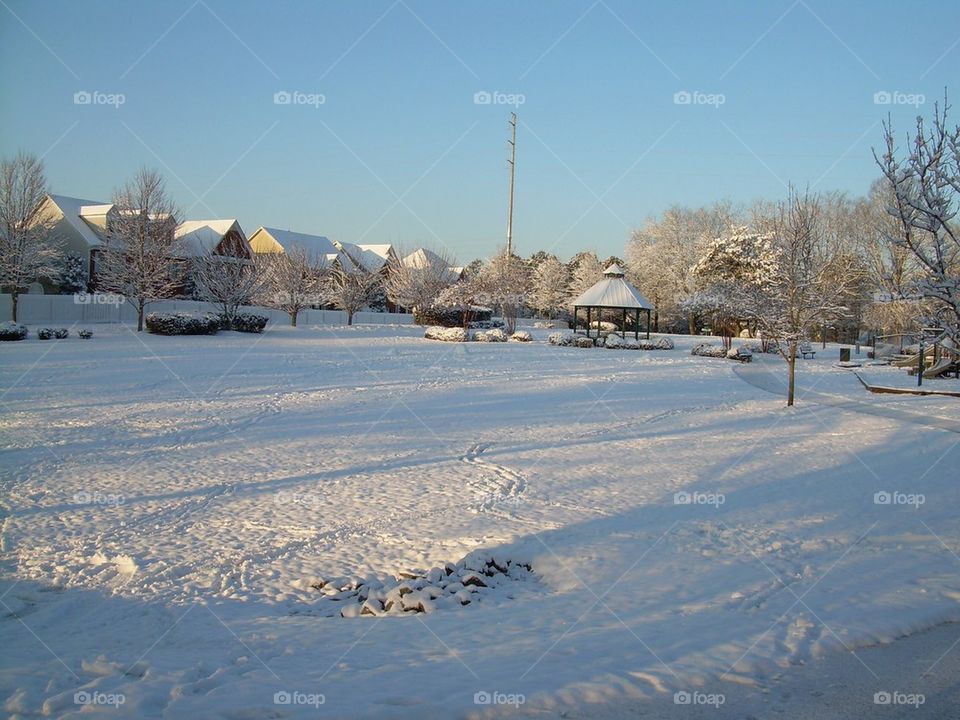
(521, 336)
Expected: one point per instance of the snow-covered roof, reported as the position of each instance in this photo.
(73, 210)
(422, 258)
(613, 292)
(316, 246)
(371, 257)
(201, 237)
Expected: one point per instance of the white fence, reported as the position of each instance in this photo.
(67, 310)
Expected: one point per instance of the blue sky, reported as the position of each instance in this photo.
(400, 152)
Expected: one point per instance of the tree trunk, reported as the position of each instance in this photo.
(349, 317)
(140, 306)
(691, 324)
(656, 321)
(14, 297)
(293, 318)
(791, 372)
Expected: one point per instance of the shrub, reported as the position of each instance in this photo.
(742, 354)
(182, 324)
(85, 334)
(665, 343)
(44, 333)
(561, 339)
(451, 316)
(521, 336)
(12, 331)
(705, 350)
(61, 333)
(244, 322)
(583, 342)
(494, 335)
(445, 334)
(486, 324)
(614, 342)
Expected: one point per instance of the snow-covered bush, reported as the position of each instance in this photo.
(485, 324)
(494, 335)
(665, 343)
(548, 324)
(61, 333)
(614, 342)
(705, 350)
(244, 322)
(583, 342)
(451, 316)
(47, 333)
(741, 353)
(521, 336)
(752, 347)
(563, 339)
(85, 334)
(12, 331)
(445, 334)
(182, 324)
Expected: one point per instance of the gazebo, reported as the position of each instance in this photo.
(613, 292)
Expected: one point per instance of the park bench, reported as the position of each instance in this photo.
(804, 349)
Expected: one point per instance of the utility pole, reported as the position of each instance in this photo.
(513, 164)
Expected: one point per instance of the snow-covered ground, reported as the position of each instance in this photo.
(169, 504)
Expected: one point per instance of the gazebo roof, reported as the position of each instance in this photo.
(613, 291)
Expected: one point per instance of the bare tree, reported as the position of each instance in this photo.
(351, 290)
(27, 251)
(548, 291)
(227, 282)
(586, 270)
(140, 257)
(808, 284)
(925, 188)
(416, 283)
(292, 281)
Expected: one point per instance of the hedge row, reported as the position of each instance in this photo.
(206, 324)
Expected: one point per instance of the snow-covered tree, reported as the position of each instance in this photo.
(548, 287)
(292, 281)
(925, 189)
(227, 282)
(73, 275)
(351, 289)
(138, 256)
(504, 281)
(661, 255)
(585, 271)
(27, 251)
(796, 281)
(417, 283)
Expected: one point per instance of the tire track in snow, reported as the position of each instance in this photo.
(504, 485)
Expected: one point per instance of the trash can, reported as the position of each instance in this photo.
(844, 354)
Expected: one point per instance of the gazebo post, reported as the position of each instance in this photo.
(636, 325)
(623, 327)
(648, 324)
(588, 321)
(575, 308)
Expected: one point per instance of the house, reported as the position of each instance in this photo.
(79, 225)
(202, 238)
(423, 258)
(320, 249)
(372, 258)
